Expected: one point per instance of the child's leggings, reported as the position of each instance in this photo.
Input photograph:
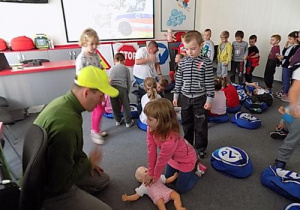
(96, 117)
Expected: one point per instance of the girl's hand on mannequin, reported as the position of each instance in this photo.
(149, 180)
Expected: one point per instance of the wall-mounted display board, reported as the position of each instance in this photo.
(178, 15)
(112, 19)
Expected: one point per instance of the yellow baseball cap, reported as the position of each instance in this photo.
(95, 78)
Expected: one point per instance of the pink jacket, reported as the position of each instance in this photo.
(175, 151)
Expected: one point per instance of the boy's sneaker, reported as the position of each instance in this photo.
(285, 98)
(202, 154)
(278, 134)
(97, 138)
(279, 94)
(200, 169)
(129, 125)
(120, 122)
(280, 164)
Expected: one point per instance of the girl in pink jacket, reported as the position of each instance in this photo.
(174, 151)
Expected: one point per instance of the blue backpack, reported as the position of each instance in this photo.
(283, 182)
(241, 92)
(232, 161)
(245, 120)
(293, 206)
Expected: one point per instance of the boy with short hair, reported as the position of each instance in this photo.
(195, 81)
(121, 80)
(161, 85)
(273, 61)
(252, 58)
(224, 55)
(208, 49)
(239, 54)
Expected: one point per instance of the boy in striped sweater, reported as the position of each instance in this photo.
(195, 81)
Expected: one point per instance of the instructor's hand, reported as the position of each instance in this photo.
(95, 158)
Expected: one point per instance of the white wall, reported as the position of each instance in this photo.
(261, 17)
(18, 19)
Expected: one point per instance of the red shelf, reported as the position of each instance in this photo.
(47, 66)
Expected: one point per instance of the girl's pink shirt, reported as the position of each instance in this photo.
(175, 150)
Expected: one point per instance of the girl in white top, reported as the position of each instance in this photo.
(150, 86)
(219, 101)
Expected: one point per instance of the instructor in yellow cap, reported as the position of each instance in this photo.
(72, 176)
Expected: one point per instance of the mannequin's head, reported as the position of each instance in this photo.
(141, 173)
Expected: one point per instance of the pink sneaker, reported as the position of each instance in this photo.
(201, 169)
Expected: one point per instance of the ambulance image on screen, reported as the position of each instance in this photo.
(137, 19)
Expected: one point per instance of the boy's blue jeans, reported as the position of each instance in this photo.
(286, 79)
(185, 180)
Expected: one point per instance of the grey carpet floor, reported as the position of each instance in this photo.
(125, 150)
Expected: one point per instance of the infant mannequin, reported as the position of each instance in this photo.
(158, 192)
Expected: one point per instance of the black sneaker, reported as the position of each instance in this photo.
(280, 164)
(202, 154)
(278, 134)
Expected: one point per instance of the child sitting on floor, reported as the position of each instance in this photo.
(161, 85)
(232, 97)
(219, 101)
(150, 86)
(259, 94)
(158, 192)
(281, 129)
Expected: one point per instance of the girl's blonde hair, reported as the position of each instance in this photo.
(163, 111)
(150, 87)
(88, 35)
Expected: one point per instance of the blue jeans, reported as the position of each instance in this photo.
(286, 79)
(185, 180)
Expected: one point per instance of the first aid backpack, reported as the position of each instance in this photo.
(232, 161)
(245, 120)
(22, 43)
(3, 45)
(293, 206)
(283, 182)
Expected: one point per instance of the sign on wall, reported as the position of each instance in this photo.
(178, 15)
(106, 55)
(129, 51)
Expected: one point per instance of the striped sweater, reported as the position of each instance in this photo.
(195, 78)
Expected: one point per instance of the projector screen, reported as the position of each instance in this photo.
(112, 19)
